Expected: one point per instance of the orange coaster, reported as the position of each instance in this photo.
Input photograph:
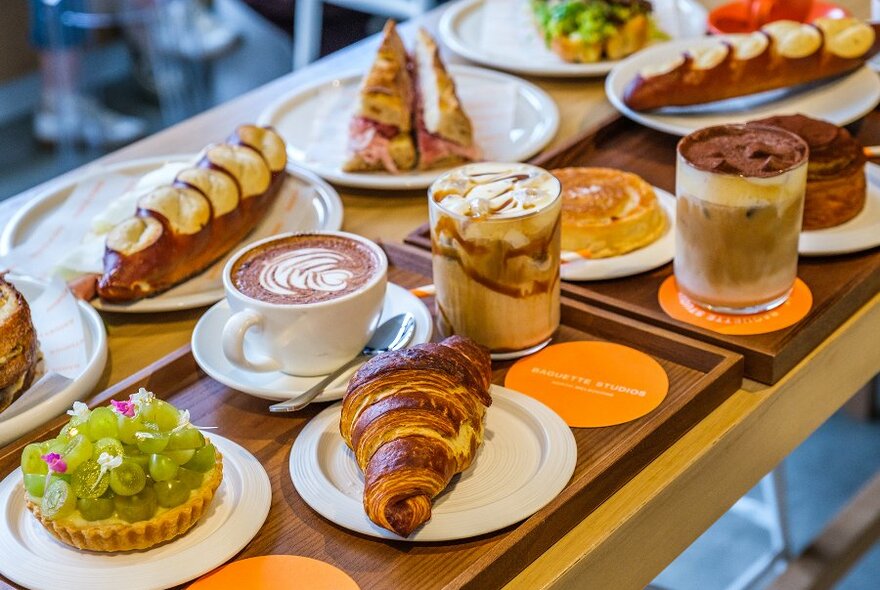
(591, 383)
(273, 572)
(678, 306)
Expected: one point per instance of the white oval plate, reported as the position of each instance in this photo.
(859, 233)
(655, 254)
(840, 101)
(461, 29)
(278, 386)
(526, 459)
(33, 558)
(534, 124)
(82, 385)
(322, 212)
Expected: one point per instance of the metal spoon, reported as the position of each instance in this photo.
(390, 335)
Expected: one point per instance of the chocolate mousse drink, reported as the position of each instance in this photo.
(495, 235)
(740, 201)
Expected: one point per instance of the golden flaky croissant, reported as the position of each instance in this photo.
(414, 418)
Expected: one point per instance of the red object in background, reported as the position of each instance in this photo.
(746, 16)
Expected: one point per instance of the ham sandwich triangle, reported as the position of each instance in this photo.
(408, 114)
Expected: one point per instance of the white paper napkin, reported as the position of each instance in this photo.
(60, 330)
(61, 234)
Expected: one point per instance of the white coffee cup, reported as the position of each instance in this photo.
(307, 339)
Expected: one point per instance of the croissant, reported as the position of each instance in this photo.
(414, 418)
(181, 229)
(781, 54)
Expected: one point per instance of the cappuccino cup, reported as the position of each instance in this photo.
(302, 304)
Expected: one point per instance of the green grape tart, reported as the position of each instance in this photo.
(126, 476)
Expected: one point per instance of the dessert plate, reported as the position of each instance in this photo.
(859, 233)
(512, 119)
(839, 101)
(527, 457)
(278, 386)
(33, 558)
(649, 257)
(511, 41)
(322, 210)
(79, 388)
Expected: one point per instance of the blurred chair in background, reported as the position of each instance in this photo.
(308, 18)
(170, 40)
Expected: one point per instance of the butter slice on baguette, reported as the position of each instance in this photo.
(782, 54)
(444, 134)
(179, 230)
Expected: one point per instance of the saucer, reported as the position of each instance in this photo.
(278, 386)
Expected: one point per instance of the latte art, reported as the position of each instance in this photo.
(305, 268)
(317, 269)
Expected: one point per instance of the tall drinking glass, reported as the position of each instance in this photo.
(740, 199)
(495, 236)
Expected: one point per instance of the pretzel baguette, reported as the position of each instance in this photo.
(781, 54)
(181, 229)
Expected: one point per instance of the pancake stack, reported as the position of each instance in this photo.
(607, 212)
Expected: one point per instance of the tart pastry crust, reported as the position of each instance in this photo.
(137, 535)
(607, 212)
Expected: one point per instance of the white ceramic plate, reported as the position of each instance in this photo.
(859, 233)
(535, 120)
(33, 558)
(323, 211)
(526, 459)
(644, 259)
(82, 385)
(840, 101)
(462, 30)
(277, 386)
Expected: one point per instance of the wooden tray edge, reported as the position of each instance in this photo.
(723, 375)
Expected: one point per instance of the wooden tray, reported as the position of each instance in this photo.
(700, 378)
(840, 284)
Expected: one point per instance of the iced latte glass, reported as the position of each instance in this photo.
(740, 199)
(495, 236)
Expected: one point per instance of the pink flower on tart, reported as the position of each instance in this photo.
(125, 408)
(55, 462)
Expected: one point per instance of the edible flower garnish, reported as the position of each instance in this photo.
(182, 421)
(55, 462)
(80, 410)
(125, 408)
(106, 462)
(141, 399)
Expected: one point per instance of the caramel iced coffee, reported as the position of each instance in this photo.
(740, 198)
(495, 234)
